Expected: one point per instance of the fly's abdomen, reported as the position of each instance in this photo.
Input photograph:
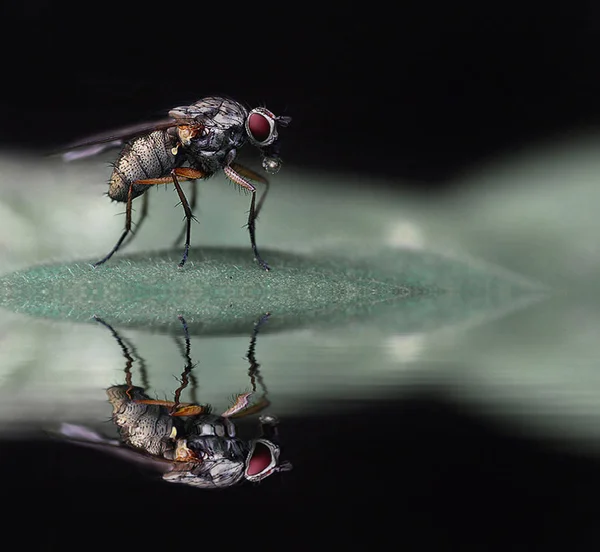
(147, 427)
(147, 156)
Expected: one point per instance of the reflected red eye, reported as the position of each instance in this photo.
(259, 127)
(260, 461)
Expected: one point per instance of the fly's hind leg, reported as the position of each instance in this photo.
(125, 232)
(138, 225)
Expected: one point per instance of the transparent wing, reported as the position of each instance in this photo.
(92, 145)
(86, 437)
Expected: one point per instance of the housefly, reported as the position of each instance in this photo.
(194, 142)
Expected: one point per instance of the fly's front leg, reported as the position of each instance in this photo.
(241, 406)
(251, 175)
(125, 232)
(233, 173)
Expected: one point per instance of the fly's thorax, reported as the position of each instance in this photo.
(209, 162)
(148, 156)
(210, 425)
(221, 112)
(223, 130)
(213, 448)
(210, 152)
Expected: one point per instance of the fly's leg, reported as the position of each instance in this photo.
(241, 406)
(255, 208)
(185, 353)
(185, 173)
(125, 232)
(188, 217)
(236, 173)
(237, 411)
(193, 202)
(251, 175)
(143, 215)
(253, 370)
(252, 231)
(189, 365)
(176, 407)
(128, 358)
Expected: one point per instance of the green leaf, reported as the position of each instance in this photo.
(224, 291)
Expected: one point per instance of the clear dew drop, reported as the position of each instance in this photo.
(271, 164)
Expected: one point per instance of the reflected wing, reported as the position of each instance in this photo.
(86, 437)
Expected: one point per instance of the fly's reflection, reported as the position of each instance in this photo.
(187, 442)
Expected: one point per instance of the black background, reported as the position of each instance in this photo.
(423, 474)
(419, 90)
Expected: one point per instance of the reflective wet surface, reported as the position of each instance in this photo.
(465, 413)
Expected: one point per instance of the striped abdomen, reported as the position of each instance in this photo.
(147, 156)
(147, 427)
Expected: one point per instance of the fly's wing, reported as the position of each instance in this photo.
(86, 437)
(186, 115)
(103, 141)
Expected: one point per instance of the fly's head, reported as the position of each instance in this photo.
(211, 456)
(263, 458)
(262, 130)
(217, 462)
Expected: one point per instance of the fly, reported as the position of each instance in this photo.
(194, 142)
(186, 442)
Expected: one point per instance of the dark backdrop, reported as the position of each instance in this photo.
(418, 90)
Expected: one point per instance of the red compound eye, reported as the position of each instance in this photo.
(260, 461)
(259, 126)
